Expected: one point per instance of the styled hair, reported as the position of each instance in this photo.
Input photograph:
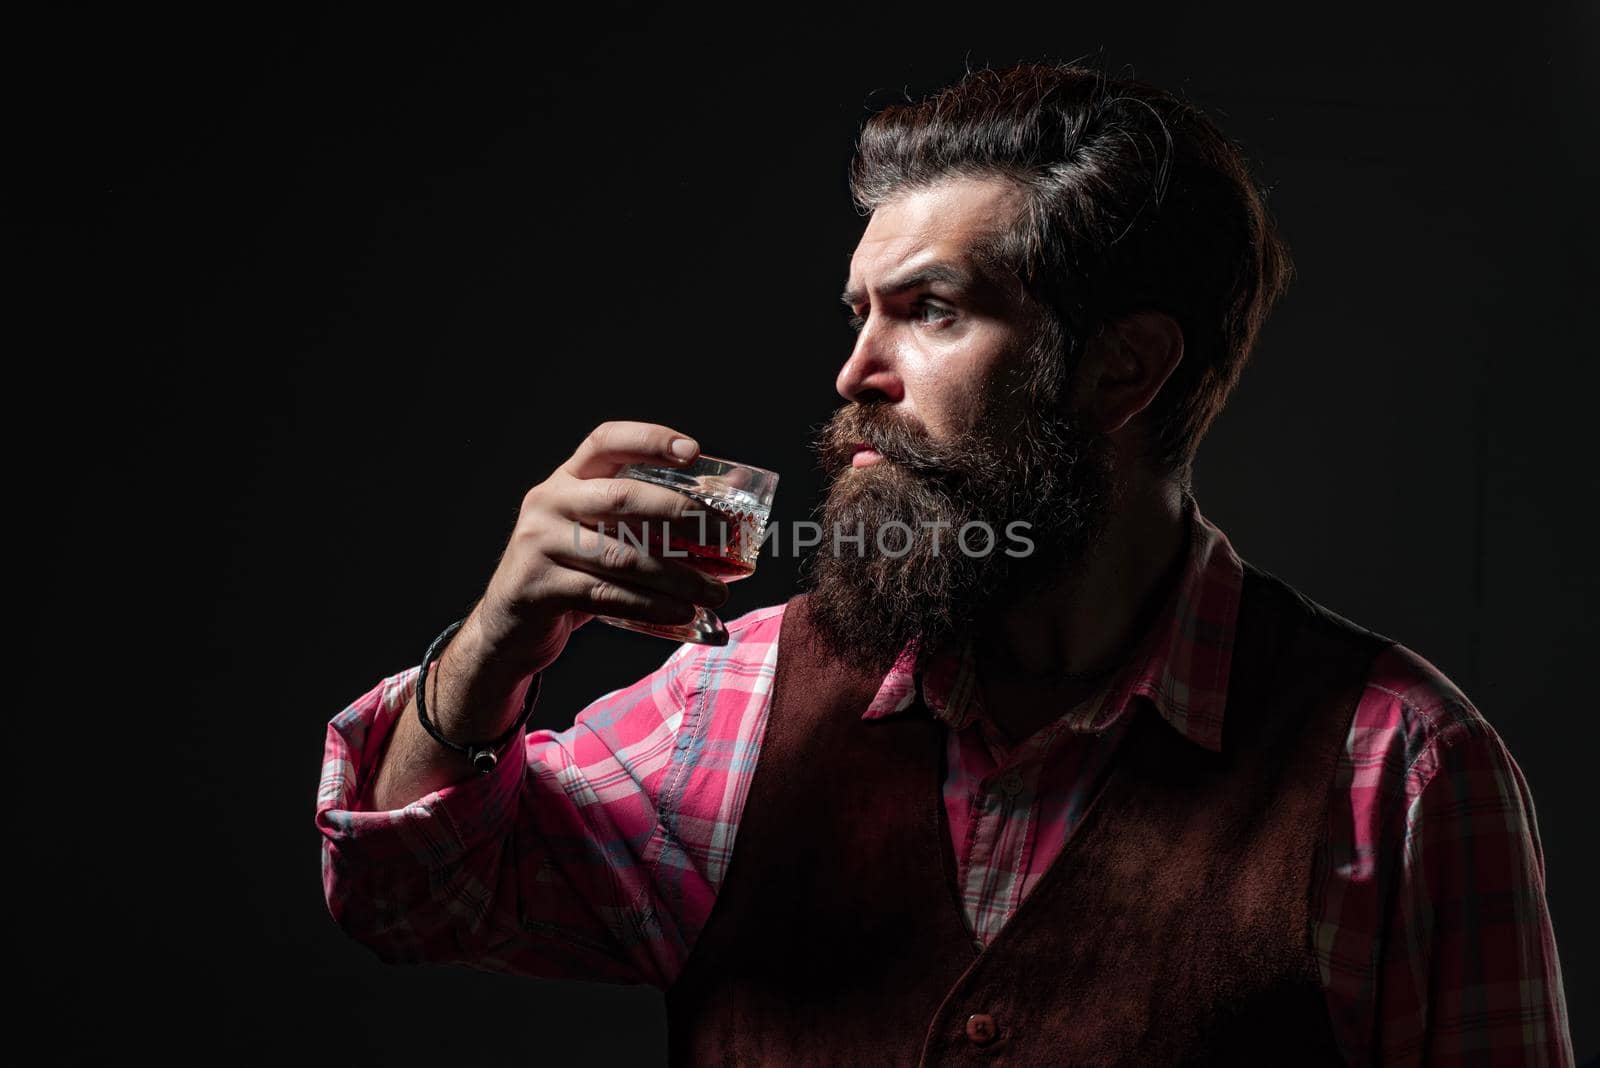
(1134, 200)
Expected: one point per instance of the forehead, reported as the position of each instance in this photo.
(941, 223)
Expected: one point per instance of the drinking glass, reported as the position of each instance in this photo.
(738, 495)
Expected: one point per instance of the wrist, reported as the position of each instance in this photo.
(476, 694)
(496, 644)
(474, 707)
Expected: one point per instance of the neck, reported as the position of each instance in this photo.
(1087, 620)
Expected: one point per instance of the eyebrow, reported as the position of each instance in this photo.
(947, 273)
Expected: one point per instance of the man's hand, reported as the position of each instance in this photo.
(557, 572)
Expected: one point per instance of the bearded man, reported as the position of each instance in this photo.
(1122, 799)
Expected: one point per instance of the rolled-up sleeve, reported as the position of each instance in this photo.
(537, 868)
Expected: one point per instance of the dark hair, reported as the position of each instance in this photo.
(1134, 201)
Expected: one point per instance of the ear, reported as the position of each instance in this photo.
(1131, 359)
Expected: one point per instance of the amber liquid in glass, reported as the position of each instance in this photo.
(731, 557)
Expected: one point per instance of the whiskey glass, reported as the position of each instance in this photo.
(737, 500)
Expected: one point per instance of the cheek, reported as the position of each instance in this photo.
(951, 399)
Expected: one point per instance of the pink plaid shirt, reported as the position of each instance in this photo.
(596, 852)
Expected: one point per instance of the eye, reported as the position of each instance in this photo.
(939, 312)
(924, 311)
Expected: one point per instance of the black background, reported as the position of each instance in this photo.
(314, 300)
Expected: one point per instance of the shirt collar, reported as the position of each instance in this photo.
(1181, 665)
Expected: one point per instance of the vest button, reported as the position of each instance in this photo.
(981, 1029)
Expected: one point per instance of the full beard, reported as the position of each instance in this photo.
(1044, 470)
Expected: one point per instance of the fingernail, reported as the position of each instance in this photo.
(683, 448)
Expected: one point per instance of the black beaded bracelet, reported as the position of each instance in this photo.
(482, 755)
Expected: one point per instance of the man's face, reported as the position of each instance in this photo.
(935, 329)
(944, 429)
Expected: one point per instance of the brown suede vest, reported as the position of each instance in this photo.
(1172, 928)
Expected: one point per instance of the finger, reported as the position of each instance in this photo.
(596, 595)
(613, 557)
(643, 508)
(610, 445)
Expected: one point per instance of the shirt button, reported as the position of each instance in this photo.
(1010, 784)
(980, 1028)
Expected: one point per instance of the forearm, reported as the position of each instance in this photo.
(465, 872)
(468, 701)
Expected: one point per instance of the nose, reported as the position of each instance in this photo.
(871, 372)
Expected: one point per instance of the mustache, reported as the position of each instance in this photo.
(879, 427)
